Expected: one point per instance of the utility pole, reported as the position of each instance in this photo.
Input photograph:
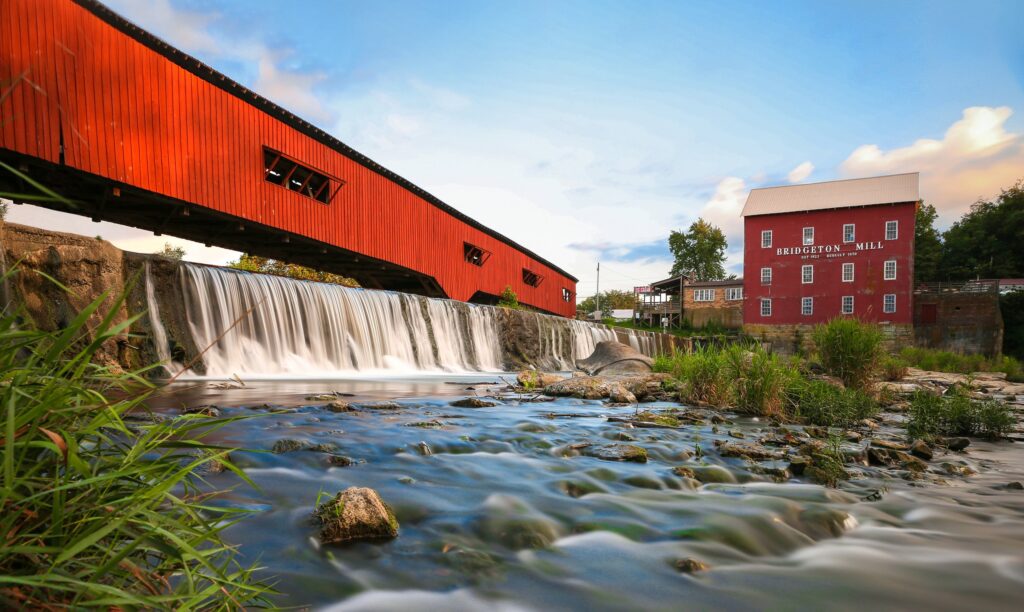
(597, 297)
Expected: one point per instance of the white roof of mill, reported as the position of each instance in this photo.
(891, 189)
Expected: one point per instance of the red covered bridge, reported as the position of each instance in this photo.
(139, 133)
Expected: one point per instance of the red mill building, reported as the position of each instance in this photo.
(817, 251)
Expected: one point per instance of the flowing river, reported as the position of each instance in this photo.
(505, 513)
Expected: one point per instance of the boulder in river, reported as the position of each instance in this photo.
(473, 402)
(921, 449)
(357, 513)
(957, 444)
(532, 379)
(618, 452)
(610, 357)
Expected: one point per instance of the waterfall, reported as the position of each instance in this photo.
(160, 341)
(262, 325)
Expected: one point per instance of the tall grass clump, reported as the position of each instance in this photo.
(849, 350)
(96, 513)
(820, 403)
(759, 380)
(956, 414)
(706, 378)
(959, 363)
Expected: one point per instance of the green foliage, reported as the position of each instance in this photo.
(985, 243)
(826, 466)
(893, 367)
(849, 350)
(956, 414)
(706, 377)
(700, 250)
(927, 245)
(509, 299)
(172, 252)
(610, 300)
(97, 513)
(760, 380)
(1012, 307)
(947, 361)
(820, 403)
(263, 265)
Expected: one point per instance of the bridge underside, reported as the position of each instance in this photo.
(103, 200)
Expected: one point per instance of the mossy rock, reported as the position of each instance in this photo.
(473, 402)
(618, 452)
(358, 513)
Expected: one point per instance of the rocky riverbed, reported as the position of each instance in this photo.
(506, 496)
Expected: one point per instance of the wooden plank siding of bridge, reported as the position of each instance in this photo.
(139, 133)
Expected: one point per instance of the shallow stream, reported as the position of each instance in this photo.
(505, 513)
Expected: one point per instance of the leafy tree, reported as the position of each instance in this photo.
(263, 265)
(610, 300)
(509, 299)
(701, 250)
(986, 242)
(172, 252)
(927, 245)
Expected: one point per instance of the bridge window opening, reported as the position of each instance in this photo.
(532, 278)
(287, 173)
(474, 254)
(566, 295)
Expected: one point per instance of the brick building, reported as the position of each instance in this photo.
(816, 251)
(714, 303)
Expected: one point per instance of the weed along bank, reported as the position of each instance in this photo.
(817, 251)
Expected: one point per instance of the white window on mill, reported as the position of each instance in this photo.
(807, 306)
(892, 230)
(766, 307)
(890, 269)
(734, 293)
(766, 239)
(703, 295)
(847, 272)
(889, 303)
(849, 232)
(847, 304)
(806, 274)
(808, 236)
(766, 276)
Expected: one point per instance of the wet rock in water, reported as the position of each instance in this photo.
(1014, 486)
(921, 449)
(473, 402)
(207, 410)
(610, 357)
(888, 444)
(583, 387)
(798, 465)
(689, 565)
(958, 470)
(339, 406)
(432, 424)
(825, 470)
(288, 445)
(425, 449)
(579, 488)
(356, 514)
(747, 450)
(475, 564)
(321, 397)
(712, 474)
(382, 406)
(211, 465)
(624, 437)
(617, 452)
(532, 379)
(816, 432)
(957, 444)
(853, 436)
(618, 394)
(735, 433)
(684, 472)
(340, 460)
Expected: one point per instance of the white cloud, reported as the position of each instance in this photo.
(292, 90)
(800, 173)
(976, 158)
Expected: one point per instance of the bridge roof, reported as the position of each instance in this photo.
(222, 81)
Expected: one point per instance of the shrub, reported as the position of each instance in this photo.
(821, 403)
(893, 368)
(849, 350)
(957, 414)
(760, 380)
(509, 299)
(706, 377)
(96, 513)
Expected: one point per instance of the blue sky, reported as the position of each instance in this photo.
(589, 130)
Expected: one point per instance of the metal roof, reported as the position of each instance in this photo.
(891, 189)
